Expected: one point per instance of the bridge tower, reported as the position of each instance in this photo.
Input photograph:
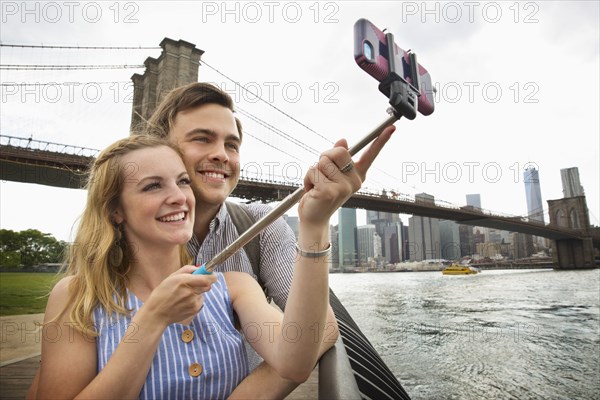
(572, 212)
(176, 66)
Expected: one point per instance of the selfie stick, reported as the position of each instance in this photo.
(403, 99)
(285, 205)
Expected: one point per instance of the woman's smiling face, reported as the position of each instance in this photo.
(156, 204)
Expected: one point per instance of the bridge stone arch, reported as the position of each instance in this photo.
(572, 212)
(559, 219)
(573, 219)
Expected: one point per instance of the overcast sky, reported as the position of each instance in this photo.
(517, 86)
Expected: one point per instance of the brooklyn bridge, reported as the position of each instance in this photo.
(62, 165)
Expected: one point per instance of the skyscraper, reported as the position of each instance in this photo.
(392, 242)
(368, 243)
(346, 237)
(450, 240)
(405, 252)
(424, 234)
(386, 224)
(570, 182)
(533, 193)
(293, 223)
(467, 247)
(381, 216)
(335, 248)
(474, 200)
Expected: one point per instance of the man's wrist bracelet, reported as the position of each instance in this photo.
(314, 254)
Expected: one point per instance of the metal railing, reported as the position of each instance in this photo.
(32, 144)
(336, 379)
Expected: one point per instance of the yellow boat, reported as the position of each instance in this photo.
(456, 269)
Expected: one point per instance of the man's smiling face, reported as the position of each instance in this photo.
(209, 139)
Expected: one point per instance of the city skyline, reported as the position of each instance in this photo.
(427, 239)
(435, 239)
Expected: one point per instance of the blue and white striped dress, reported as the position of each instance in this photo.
(214, 350)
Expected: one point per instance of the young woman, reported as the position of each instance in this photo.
(129, 321)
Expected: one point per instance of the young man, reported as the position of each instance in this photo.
(199, 119)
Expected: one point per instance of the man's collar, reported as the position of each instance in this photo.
(219, 218)
(213, 226)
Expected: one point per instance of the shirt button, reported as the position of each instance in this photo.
(195, 370)
(187, 335)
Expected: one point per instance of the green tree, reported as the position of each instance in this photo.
(10, 246)
(28, 248)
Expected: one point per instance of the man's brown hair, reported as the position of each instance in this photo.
(182, 99)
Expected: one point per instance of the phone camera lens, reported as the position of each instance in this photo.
(368, 50)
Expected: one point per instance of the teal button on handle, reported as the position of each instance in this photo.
(202, 271)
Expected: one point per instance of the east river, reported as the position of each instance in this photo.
(508, 334)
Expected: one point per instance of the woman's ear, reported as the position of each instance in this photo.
(117, 216)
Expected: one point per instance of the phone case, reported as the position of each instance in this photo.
(369, 39)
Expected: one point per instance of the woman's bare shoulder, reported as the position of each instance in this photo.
(59, 298)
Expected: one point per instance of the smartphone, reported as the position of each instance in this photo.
(371, 54)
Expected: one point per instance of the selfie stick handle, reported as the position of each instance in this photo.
(285, 205)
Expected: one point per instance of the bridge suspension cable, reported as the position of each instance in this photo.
(43, 67)
(81, 47)
(271, 145)
(70, 83)
(278, 131)
(202, 62)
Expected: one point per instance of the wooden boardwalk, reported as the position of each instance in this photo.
(15, 380)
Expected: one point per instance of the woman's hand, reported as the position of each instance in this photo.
(179, 297)
(335, 178)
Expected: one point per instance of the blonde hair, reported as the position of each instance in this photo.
(96, 281)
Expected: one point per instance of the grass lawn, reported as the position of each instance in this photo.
(24, 292)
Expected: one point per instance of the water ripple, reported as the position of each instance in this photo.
(520, 334)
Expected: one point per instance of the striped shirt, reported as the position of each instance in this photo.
(277, 251)
(204, 360)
